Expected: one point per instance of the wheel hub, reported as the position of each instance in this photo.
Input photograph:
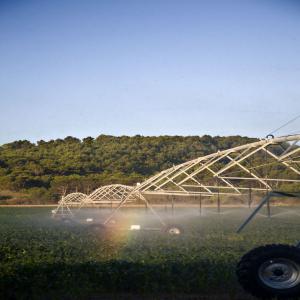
(174, 231)
(280, 273)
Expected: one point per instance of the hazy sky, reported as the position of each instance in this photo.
(85, 68)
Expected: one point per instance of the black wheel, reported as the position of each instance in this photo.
(173, 230)
(271, 271)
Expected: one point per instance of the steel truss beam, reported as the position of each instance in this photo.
(232, 171)
(265, 165)
(109, 194)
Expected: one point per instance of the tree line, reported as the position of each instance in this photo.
(46, 169)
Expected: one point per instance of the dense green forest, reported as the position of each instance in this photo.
(45, 169)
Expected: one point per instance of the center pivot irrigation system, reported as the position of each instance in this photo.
(270, 166)
(263, 166)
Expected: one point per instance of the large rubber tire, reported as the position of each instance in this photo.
(173, 230)
(271, 271)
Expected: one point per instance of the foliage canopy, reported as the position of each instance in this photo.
(45, 168)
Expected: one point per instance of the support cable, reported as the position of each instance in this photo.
(284, 125)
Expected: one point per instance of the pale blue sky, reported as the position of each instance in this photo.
(85, 68)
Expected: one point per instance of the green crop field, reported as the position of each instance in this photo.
(42, 258)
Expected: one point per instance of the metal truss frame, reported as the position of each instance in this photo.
(265, 165)
(233, 171)
(108, 194)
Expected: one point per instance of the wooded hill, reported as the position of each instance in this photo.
(44, 169)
